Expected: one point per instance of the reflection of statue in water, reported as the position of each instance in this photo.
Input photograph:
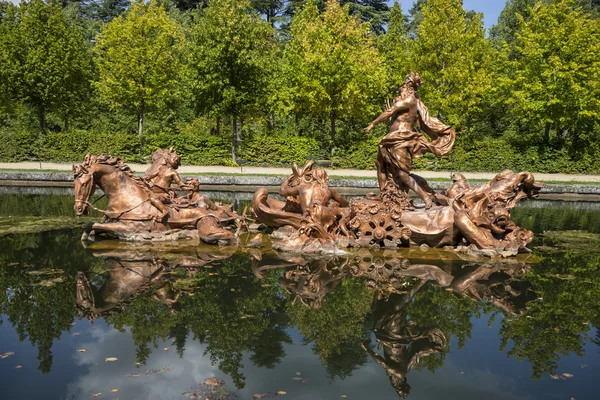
(132, 271)
(398, 148)
(404, 343)
(402, 340)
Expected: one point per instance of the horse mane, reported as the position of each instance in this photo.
(106, 159)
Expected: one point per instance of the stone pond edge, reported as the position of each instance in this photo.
(64, 179)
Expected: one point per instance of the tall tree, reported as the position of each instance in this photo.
(331, 67)
(556, 69)
(394, 46)
(453, 58)
(232, 54)
(508, 20)
(48, 61)
(271, 9)
(373, 11)
(103, 10)
(139, 60)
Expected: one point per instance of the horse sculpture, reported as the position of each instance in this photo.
(134, 213)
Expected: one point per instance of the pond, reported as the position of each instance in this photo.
(185, 321)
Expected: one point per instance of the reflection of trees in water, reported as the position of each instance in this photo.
(37, 285)
(568, 284)
(540, 215)
(228, 310)
(234, 311)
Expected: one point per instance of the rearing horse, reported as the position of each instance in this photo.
(131, 213)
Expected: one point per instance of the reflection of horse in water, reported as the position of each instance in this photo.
(126, 280)
(133, 211)
(132, 271)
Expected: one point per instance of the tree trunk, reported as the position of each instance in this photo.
(271, 123)
(42, 119)
(547, 133)
(234, 138)
(140, 125)
(332, 117)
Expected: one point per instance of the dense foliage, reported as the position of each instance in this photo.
(269, 82)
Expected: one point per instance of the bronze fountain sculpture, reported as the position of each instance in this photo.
(314, 218)
(147, 209)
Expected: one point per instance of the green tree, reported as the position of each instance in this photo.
(331, 68)
(232, 56)
(45, 58)
(373, 11)
(453, 58)
(557, 60)
(394, 46)
(139, 61)
(508, 20)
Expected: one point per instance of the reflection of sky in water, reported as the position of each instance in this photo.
(478, 371)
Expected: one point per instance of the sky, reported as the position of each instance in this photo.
(490, 8)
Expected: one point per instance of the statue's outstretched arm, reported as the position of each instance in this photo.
(398, 106)
(337, 197)
(178, 180)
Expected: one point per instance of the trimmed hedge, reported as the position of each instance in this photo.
(204, 149)
(279, 150)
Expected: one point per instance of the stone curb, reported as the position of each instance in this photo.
(61, 178)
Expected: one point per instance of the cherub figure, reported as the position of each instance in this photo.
(161, 174)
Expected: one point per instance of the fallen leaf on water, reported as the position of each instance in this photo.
(133, 374)
(166, 348)
(76, 333)
(258, 396)
(583, 365)
(554, 377)
(7, 354)
(154, 371)
(138, 363)
(281, 393)
(81, 350)
(297, 378)
(298, 373)
(305, 380)
(343, 396)
(96, 394)
(110, 359)
(567, 375)
(19, 366)
(461, 373)
(212, 381)
(115, 390)
(93, 326)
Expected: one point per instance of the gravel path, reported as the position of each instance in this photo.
(191, 169)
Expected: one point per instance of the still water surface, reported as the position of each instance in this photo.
(157, 322)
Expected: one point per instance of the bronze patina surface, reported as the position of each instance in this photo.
(141, 209)
(316, 219)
